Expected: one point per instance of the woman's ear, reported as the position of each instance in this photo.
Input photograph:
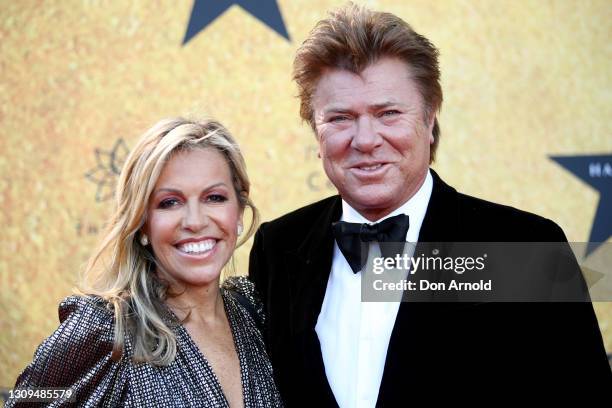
(240, 224)
(143, 235)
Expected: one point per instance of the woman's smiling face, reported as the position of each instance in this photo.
(193, 217)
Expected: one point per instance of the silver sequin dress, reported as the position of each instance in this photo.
(78, 355)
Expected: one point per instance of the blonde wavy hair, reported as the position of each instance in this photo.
(121, 270)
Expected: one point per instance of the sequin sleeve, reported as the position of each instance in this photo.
(78, 355)
(243, 286)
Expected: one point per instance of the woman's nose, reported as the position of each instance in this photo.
(195, 217)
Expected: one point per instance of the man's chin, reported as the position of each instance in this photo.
(373, 206)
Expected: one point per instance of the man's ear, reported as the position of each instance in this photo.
(430, 127)
(318, 139)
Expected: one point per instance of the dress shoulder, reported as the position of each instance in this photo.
(244, 292)
(93, 308)
(78, 355)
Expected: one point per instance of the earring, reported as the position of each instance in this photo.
(144, 240)
(239, 229)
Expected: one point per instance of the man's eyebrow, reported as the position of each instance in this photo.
(375, 106)
(383, 105)
(337, 109)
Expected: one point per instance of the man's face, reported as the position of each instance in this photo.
(372, 135)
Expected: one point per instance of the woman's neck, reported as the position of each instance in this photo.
(202, 303)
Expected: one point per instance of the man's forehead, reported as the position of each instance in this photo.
(367, 68)
(372, 70)
(380, 84)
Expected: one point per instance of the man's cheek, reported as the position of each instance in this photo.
(336, 148)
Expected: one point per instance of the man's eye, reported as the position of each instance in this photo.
(216, 198)
(168, 203)
(391, 112)
(338, 118)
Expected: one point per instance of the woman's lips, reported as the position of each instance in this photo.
(197, 247)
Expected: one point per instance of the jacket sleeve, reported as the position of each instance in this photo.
(570, 322)
(78, 356)
(257, 268)
(260, 273)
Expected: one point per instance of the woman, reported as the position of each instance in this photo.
(152, 327)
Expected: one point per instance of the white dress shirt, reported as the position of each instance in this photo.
(354, 335)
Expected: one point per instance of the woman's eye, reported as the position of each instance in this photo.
(216, 198)
(168, 203)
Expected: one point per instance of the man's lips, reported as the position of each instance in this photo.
(367, 165)
(369, 168)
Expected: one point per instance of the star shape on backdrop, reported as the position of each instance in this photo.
(596, 171)
(205, 12)
(109, 164)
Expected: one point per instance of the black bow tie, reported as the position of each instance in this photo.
(352, 238)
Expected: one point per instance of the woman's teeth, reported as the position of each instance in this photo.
(197, 247)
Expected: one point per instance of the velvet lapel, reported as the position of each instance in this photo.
(441, 220)
(309, 268)
(439, 225)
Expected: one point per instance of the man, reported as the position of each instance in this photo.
(369, 87)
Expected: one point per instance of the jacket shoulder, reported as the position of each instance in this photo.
(511, 223)
(301, 219)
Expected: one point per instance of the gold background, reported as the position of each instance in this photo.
(522, 80)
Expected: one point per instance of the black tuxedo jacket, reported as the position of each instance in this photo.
(453, 351)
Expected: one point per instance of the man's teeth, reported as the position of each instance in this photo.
(197, 247)
(370, 168)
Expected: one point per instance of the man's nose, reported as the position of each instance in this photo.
(194, 217)
(366, 137)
